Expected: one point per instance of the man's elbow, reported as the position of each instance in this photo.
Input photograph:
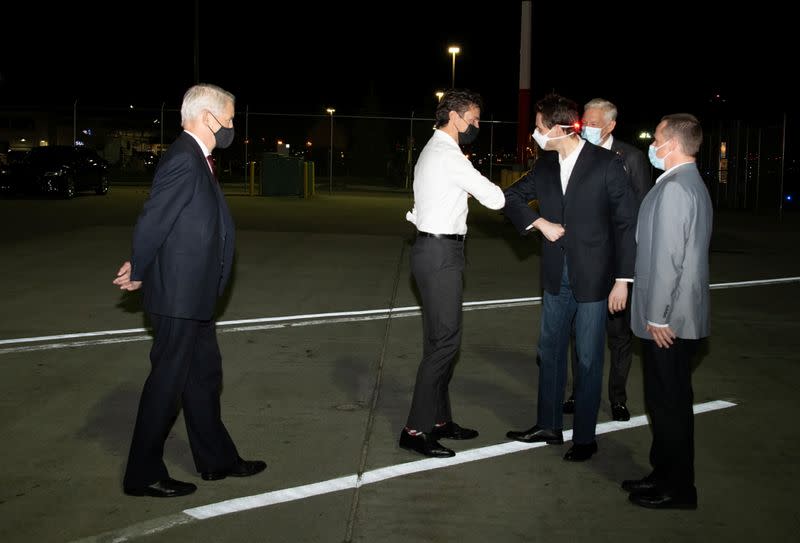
(497, 204)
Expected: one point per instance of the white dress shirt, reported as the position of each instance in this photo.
(203, 148)
(443, 180)
(608, 143)
(567, 164)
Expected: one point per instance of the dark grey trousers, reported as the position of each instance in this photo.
(186, 370)
(437, 266)
(668, 398)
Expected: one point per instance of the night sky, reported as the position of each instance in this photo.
(295, 58)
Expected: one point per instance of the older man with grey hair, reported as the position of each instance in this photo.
(598, 123)
(181, 258)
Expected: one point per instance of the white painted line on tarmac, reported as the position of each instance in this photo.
(390, 472)
(245, 503)
(759, 282)
(266, 323)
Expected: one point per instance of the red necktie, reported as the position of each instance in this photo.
(213, 165)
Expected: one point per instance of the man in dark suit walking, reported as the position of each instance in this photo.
(586, 216)
(182, 254)
(597, 127)
(671, 309)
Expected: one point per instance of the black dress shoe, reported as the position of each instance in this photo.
(620, 412)
(580, 453)
(665, 499)
(645, 484)
(569, 406)
(451, 430)
(536, 434)
(242, 468)
(424, 444)
(165, 488)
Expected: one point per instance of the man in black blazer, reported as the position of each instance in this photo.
(597, 127)
(587, 217)
(182, 255)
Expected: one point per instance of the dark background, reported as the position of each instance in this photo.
(651, 58)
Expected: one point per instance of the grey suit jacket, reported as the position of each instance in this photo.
(673, 232)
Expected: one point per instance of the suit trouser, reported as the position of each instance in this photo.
(668, 399)
(437, 266)
(558, 313)
(620, 338)
(186, 368)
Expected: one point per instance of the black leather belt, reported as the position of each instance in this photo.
(456, 237)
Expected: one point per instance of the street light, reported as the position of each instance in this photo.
(331, 111)
(454, 50)
(439, 95)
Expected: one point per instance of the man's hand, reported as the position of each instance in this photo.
(552, 231)
(618, 297)
(662, 335)
(123, 280)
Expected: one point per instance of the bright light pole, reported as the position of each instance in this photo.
(331, 111)
(454, 50)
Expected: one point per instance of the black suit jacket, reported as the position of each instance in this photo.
(641, 176)
(598, 213)
(184, 239)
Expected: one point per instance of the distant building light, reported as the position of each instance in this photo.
(287, 145)
(79, 143)
(22, 140)
(645, 136)
(788, 197)
(280, 142)
(87, 131)
(308, 143)
(130, 106)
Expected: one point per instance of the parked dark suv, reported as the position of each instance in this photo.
(59, 170)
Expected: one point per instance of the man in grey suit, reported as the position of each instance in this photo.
(670, 309)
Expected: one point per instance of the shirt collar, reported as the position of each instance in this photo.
(202, 145)
(573, 155)
(444, 136)
(663, 175)
(608, 143)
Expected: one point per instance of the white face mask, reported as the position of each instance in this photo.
(542, 139)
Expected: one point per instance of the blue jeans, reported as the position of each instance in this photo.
(558, 313)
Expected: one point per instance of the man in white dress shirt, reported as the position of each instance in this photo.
(443, 181)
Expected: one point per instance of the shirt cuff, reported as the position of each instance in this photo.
(658, 325)
(626, 279)
(530, 226)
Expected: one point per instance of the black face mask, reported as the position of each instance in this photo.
(469, 135)
(223, 136)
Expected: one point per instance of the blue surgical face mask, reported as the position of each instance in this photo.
(592, 134)
(654, 160)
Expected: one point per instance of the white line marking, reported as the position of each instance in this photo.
(320, 318)
(390, 472)
(755, 283)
